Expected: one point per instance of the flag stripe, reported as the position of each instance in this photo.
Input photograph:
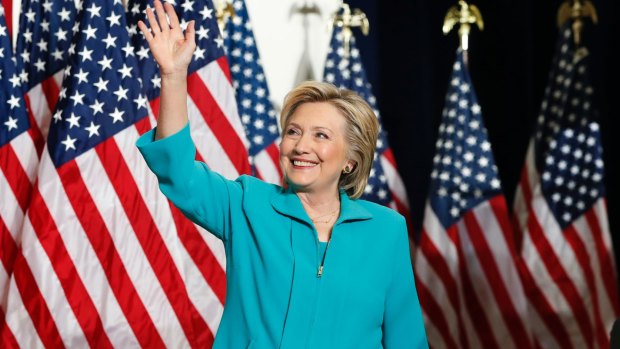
(7, 339)
(75, 290)
(8, 251)
(434, 312)
(14, 173)
(223, 64)
(155, 249)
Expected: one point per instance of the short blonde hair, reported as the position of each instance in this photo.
(362, 128)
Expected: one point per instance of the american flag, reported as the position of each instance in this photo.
(561, 211)
(256, 110)
(16, 160)
(466, 264)
(106, 261)
(346, 71)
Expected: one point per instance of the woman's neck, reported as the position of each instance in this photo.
(319, 203)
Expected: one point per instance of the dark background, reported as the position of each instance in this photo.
(409, 60)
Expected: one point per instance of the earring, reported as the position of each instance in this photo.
(347, 170)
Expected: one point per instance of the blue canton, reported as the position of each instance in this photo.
(209, 43)
(13, 116)
(568, 148)
(100, 95)
(46, 28)
(464, 172)
(255, 108)
(348, 72)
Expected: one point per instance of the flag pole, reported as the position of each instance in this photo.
(464, 15)
(348, 20)
(576, 10)
(224, 10)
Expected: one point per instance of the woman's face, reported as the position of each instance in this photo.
(313, 148)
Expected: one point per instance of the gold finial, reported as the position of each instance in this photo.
(465, 15)
(576, 10)
(224, 10)
(347, 20)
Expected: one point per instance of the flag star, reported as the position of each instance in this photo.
(42, 45)
(97, 107)
(71, 49)
(69, 143)
(219, 41)
(93, 130)
(141, 101)
(45, 26)
(27, 34)
(30, 15)
(11, 123)
(90, 32)
(64, 15)
(183, 24)
(40, 65)
(156, 81)
(483, 162)
(15, 81)
(82, 76)
(73, 121)
(495, 183)
(75, 28)
(13, 101)
(57, 116)
(47, 6)
(114, 19)
(128, 49)
(94, 11)
(105, 63)
(206, 13)
(109, 41)
(117, 115)
(86, 54)
(486, 146)
(125, 71)
(454, 212)
(203, 33)
(102, 85)
(188, 5)
(77, 98)
(199, 53)
(143, 53)
(61, 35)
(121, 93)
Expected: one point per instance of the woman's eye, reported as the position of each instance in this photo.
(322, 135)
(291, 131)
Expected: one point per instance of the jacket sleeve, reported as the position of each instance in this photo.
(403, 325)
(204, 196)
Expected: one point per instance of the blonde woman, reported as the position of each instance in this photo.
(308, 265)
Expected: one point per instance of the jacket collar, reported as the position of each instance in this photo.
(287, 203)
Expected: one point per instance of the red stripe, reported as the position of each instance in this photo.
(404, 210)
(34, 131)
(218, 123)
(534, 294)
(75, 291)
(8, 14)
(35, 305)
(472, 303)
(223, 63)
(487, 261)
(434, 313)
(274, 153)
(15, 176)
(604, 257)
(100, 238)
(389, 156)
(51, 91)
(194, 327)
(8, 249)
(154, 103)
(7, 339)
(201, 254)
(583, 258)
(440, 266)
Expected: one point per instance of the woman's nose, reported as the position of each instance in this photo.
(302, 145)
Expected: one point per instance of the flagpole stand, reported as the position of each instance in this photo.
(465, 15)
(348, 20)
(576, 10)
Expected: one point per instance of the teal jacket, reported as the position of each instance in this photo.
(366, 297)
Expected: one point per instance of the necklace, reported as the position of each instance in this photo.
(331, 216)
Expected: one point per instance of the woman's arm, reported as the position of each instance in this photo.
(173, 52)
(403, 325)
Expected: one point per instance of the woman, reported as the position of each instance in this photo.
(308, 266)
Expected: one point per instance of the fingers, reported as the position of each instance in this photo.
(190, 32)
(161, 16)
(152, 21)
(172, 15)
(145, 30)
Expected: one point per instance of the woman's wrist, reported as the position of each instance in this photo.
(174, 78)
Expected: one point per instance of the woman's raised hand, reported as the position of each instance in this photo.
(171, 49)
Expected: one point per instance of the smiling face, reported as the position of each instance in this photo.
(313, 151)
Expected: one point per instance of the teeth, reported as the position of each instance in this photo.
(303, 163)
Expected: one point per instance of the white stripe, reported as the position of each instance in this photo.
(4, 285)
(51, 290)
(26, 153)
(130, 251)
(215, 245)
(19, 321)
(426, 275)
(222, 91)
(520, 208)
(210, 149)
(600, 210)
(267, 168)
(434, 337)
(10, 211)
(470, 330)
(550, 290)
(436, 233)
(504, 259)
(540, 330)
(395, 183)
(483, 291)
(83, 257)
(200, 293)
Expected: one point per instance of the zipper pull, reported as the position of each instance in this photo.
(320, 273)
